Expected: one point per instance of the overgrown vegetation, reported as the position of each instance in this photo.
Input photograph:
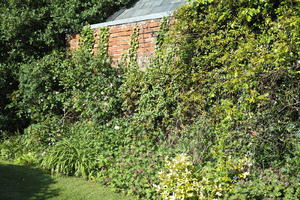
(221, 96)
(29, 30)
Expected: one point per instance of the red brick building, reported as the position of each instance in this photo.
(146, 15)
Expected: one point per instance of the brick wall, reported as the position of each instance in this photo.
(119, 40)
(73, 42)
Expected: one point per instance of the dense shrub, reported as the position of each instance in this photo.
(81, 86)
(9, 121)
(242, 62)
(268, 184)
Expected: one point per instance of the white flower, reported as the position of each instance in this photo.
(117, 127)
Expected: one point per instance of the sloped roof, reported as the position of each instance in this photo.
(142, 10)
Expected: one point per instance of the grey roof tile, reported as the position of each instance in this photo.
(147, 7)
(142, 10)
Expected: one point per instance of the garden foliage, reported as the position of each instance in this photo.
(220, 99)
(31, 29)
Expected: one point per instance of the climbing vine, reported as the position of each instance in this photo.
(161, 34)
(130, 59)
(103, 41)
(134, 43)
(87, 39)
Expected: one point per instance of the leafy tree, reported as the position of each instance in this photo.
(33, 28)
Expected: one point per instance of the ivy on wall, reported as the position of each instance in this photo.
(102, 49)
(129, 60)
(87, 38)
(162, 33)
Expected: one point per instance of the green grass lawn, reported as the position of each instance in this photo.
(25, 183)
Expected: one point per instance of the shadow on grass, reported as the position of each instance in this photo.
(24, 183)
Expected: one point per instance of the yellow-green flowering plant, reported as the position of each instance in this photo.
(178, 181)
(181, 181)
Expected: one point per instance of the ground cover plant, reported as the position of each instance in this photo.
(216, 115)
